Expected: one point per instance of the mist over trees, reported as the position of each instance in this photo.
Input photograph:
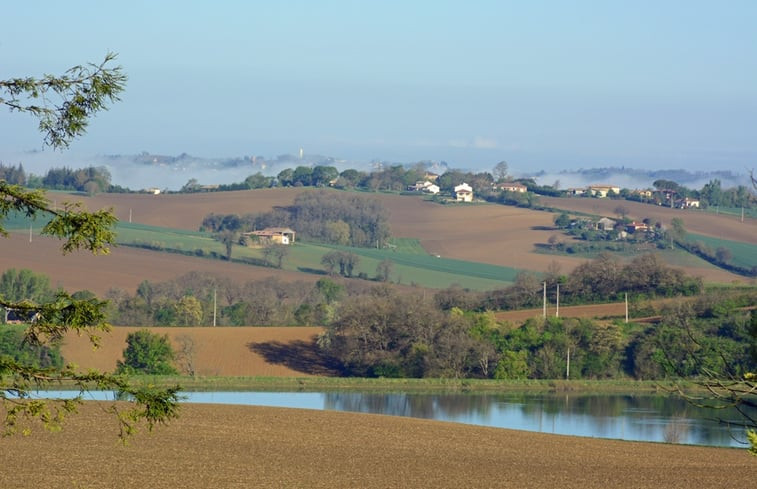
(91, 180)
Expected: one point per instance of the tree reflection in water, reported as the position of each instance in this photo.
(630, 417)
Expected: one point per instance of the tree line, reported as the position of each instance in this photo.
(325, 216)
(384, 330)
(91, 179)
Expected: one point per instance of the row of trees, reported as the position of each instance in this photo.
(605, 278)
(91, 180)
(189, 300)
(386, 178)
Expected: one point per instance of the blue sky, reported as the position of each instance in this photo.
(542, 84)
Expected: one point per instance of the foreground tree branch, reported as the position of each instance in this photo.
(64, 104)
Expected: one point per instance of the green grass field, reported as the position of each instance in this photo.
(411, 264)
(744, 254)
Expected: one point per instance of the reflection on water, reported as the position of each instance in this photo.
(627, 417)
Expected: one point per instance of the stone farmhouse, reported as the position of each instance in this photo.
(283, 236)
(601, 190)
(512, 187)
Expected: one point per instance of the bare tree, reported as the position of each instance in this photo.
(621, 211)
(500, 171)
(185, 354)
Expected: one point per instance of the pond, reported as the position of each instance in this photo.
(652, 418)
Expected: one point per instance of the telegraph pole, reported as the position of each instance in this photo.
(557, 310)
(215, 303)
(544, 301)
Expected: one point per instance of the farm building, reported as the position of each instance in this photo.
(283, 236)
(601, 190)
(15, 316)
(426, 187)
(687, 203)
(464, 193)
(512, 187)
(606, 224)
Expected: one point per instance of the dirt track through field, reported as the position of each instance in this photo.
(213, 446)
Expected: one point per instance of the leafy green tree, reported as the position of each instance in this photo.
(323, 175)
(350, 178)
(19, 285)
(302, 176)
(13, 347)
(147, 353)
(512, 365)
(338, 232)
(64, 105)
(330, 290)
(285, 177)
(258, 180)
(189, 311)
(562, 221)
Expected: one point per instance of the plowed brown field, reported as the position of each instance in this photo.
(588, 311)
(221, 351)
(244, 446)
(500, 235)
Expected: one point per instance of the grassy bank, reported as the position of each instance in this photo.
(320, 384)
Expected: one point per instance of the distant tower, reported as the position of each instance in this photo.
(302, 153)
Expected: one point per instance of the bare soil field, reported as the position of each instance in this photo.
(244, 446)
(496, 234)
(500, 235)
(221, 351)
(616, 309)
(124, 268)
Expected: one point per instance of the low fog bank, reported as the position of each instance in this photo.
(146, 170)
(638, 179)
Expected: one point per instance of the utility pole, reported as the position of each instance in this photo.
(215, 303)
(544, 301)
(557, 309)
(626, 307)
(567, 366)
(30, 233)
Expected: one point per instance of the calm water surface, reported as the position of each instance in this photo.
(626, 417)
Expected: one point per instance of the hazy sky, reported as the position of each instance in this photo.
(541, 84)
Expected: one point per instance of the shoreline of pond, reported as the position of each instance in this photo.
(436, 385)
